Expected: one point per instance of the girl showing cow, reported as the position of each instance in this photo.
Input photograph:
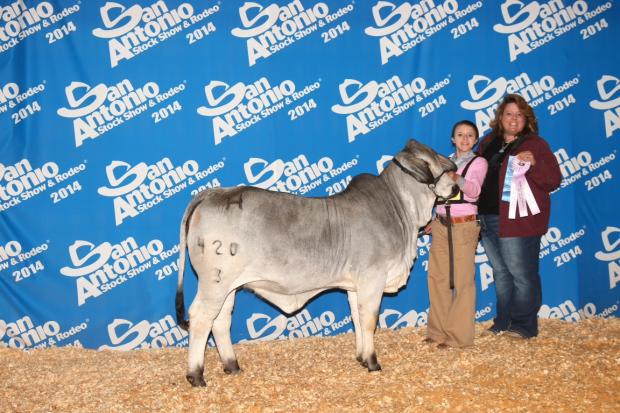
(455, 229)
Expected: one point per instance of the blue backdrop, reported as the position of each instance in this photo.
(114, 114)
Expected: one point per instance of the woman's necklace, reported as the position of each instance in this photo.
(505, 145)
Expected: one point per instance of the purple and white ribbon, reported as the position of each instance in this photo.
(517, 191)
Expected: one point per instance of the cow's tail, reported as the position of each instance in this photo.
(179, 299)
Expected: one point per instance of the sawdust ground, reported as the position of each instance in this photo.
(567, 368)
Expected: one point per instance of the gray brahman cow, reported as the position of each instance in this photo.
(288, 248)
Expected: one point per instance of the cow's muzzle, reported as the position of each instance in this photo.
(455, 191)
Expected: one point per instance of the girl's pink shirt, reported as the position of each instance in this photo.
(471, 186)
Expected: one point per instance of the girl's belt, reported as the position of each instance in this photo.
(457, 220)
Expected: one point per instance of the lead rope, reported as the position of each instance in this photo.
(450, 249)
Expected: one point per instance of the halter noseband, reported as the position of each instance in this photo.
(430, 183)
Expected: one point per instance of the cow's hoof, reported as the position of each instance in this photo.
(232, 367)
(373, 364)
(376, 367)
(196, 381)
(360, 360)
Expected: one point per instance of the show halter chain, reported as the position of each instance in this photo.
(431, 185)
(450, 247)
(449, 229)
(517, 191)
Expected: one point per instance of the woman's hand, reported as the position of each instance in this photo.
(526, 156)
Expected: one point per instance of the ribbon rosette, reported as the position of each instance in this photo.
(517, 191)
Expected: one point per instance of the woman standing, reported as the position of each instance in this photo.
(514, 208)
(452, 291)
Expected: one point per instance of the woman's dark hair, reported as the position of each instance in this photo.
(468, 123)
(531, 123)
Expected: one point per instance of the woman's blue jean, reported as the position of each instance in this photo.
(517, 282)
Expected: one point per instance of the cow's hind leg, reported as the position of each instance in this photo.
(202, 313)
(199, 329)
(359, 341)
(368, 307)
(221, 334)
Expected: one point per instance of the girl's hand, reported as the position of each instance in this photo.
(453, 175)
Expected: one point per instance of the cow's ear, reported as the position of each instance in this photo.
(415, 147)
(446, 163)
(420, 150)
(415, 167)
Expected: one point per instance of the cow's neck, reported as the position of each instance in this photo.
(412, 198)
(404, 204)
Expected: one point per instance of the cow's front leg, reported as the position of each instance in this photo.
(368, 307)
(355, 317)
(221, 334)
